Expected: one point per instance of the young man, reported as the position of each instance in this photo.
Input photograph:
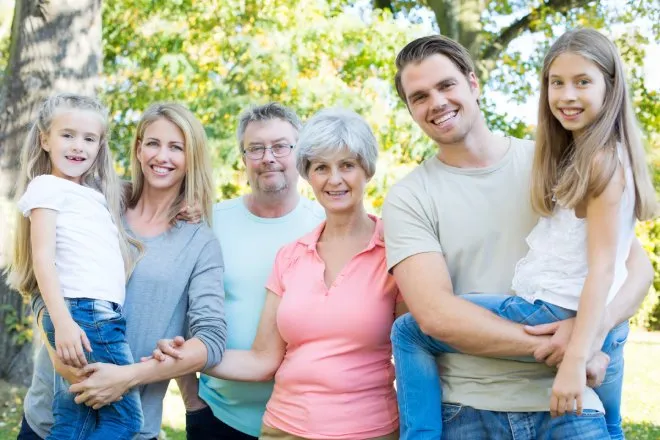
(457, 224)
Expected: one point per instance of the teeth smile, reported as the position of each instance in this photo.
(445, 117)
(160, 170)
(336, 193)
(75, 158)
(571, 112)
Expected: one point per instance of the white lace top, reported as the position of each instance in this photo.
(555, 268)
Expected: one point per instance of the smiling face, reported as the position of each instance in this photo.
(161, 153)
(270, 174)
(441, 100)
(73, 143)
(338, 181)
(576, 91)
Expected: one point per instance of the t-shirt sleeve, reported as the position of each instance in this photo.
(42, 192)
(408, 228)
(274, 283)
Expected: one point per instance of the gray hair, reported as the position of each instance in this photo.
(266, 112)
(334, 129)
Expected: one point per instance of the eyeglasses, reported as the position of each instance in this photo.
(257, 152)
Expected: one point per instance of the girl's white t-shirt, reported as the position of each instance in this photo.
(87, 254)
(556, 267)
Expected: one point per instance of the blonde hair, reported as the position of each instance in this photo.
(197, 185)
(35, 161)
(568, 167)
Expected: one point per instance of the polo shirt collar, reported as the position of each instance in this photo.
(377, 239)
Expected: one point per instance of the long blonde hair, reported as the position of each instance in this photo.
(568, 168)
(197, 185)
(35, 161)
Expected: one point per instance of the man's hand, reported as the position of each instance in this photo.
(106, 383)
(596, 369)
(190, 214)
(552, 352)
(70, 340)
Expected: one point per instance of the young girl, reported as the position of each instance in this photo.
(589, 181)
(74, 251)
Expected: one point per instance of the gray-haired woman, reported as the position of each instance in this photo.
(324, 329)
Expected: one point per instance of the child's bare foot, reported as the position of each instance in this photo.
(596, 369)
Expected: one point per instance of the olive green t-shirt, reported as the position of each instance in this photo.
(478, 218)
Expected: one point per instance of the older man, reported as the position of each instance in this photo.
(251, 229)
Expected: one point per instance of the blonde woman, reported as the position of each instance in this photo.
(176, 286)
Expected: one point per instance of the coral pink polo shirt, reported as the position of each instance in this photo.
(336, 379)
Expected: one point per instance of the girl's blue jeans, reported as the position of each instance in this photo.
(105, 327)
(418, 385)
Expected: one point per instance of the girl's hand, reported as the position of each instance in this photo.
(568, 387)
(69, 342)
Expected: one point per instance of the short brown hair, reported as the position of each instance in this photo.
(420, 49)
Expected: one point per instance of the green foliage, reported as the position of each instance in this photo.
(20, 328)
(648, 316)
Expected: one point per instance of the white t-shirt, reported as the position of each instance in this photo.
(556, 266)
(87, 254)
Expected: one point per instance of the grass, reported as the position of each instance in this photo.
(641, 396)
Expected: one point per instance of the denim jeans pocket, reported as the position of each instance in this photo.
(616, 337)
(450, 411)
(49, 328)
(94, 313)
(591, 413)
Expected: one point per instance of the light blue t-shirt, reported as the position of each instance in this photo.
(249, 245)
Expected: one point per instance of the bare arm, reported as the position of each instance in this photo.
(189, 387)
(621, 308)
(634, 289)
(264, 358)
(69, 337)
(602, 237)
(426, 287)
(108, 382)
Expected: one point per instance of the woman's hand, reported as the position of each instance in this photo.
(106, 383)
(568, 387)
(166, 347)
(70, 340)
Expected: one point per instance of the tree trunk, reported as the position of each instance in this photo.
(55, 46)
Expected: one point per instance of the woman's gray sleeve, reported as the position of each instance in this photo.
(206, 297)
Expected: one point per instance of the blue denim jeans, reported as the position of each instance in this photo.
(466, 423)
(105, 327)
(418, 386)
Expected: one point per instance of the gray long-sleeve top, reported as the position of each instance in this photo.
(176, 289)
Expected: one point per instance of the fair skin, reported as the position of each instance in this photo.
(164, 167)
(435, 89)
(273, 181)
(338, 182)
(576, 92)
(72, 143)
